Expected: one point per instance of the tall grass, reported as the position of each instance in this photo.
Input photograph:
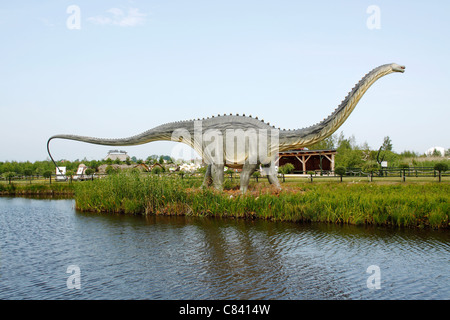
(403, 204)
(36, 189)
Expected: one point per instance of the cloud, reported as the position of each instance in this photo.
(119, 18)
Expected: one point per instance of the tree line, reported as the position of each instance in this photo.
(349, 155)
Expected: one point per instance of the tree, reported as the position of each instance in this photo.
(370, 167)
(69, 173)
(340, 171)
(111, 170)
(287, 168)
(387, 144)
(9, 175)
(28, 173)
(436, 153)
(325, 144)
(157, 170)
(441, 167)
(47, 174)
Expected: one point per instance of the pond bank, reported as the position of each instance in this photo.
(400, 205)
(35, 189)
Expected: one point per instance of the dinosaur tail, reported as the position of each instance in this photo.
(162, 133)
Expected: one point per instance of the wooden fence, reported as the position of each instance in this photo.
(402, 174)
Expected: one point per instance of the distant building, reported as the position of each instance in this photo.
(117, 154)
(308, 160)
(189, 167)
(60, 173)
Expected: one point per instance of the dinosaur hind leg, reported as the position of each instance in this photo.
(246, 173)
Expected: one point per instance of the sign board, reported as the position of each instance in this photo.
(384, 164)
(60, 173)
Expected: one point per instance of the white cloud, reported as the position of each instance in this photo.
(118, 17)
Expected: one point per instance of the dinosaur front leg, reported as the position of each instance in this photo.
(247, 171)
(207, 181)
(217, 175)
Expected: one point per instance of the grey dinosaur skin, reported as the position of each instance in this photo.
(288, 139)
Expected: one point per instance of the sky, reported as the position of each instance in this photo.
(113, 69)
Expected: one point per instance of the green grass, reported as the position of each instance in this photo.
(36, 189)
(395, 204)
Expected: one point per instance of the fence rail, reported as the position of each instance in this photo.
(401, 173)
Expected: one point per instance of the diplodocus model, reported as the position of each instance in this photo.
(209, 136)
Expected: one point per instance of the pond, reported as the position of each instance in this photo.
(49, 251)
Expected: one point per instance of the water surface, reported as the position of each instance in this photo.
(130, 257)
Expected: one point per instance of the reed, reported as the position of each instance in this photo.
(404, 205)
(14, 189)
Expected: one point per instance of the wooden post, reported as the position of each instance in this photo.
(332, 162)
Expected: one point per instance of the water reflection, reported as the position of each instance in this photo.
(158, 257)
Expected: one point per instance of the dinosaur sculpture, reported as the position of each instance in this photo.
(212, 137)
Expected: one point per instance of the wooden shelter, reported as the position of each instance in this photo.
(308, 160)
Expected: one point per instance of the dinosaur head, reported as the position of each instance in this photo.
(397, 68)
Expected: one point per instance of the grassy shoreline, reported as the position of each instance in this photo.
(36, 189)
(401, 205)
(424, 204)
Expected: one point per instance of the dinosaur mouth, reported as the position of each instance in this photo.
(399, 68)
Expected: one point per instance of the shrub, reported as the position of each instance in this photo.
(403, 166)
(441, 166)
(111, 170)
(47, 174)
(287, 168)
(340, 171)
(370, 167)
(157, 170)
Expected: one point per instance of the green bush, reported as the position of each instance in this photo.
(111, 170)
(340, 171)
(47, 174)
(157, 170)
(441, 167)
(287, 168)
(403, 166)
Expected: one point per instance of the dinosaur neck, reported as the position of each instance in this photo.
(294, 139)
